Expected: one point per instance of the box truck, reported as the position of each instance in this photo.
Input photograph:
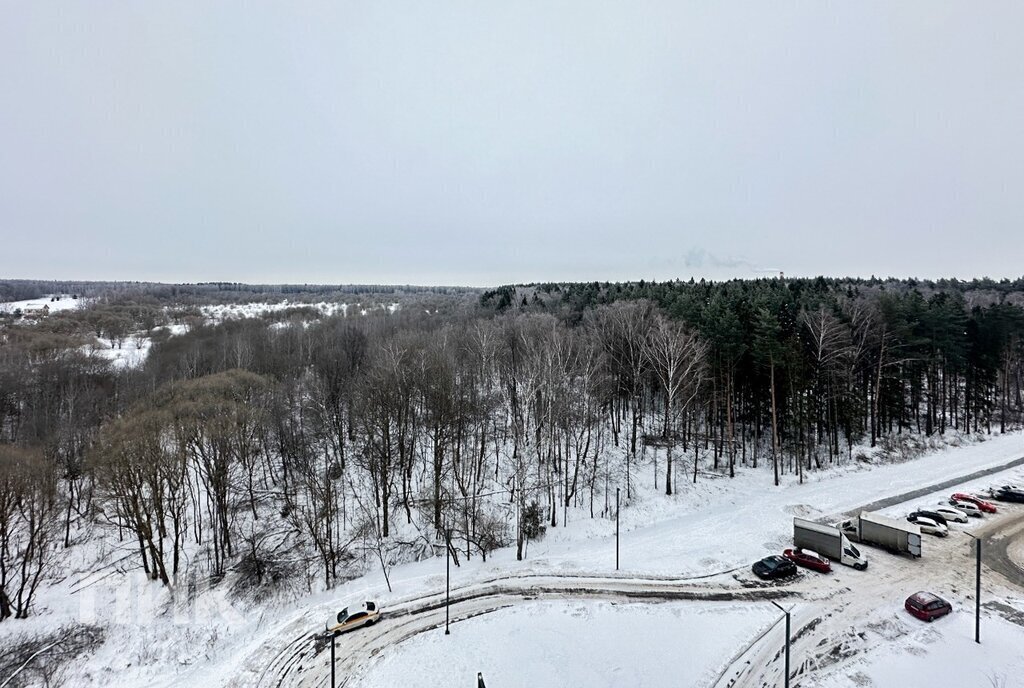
(828, 541)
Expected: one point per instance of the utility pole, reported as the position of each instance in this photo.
(616, 529)
(977, 592)
(334, 637)
(786, 612)
(319, 640)
(480, 680)
(447, 577)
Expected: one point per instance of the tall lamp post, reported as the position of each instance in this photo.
(334, 636)
(447, 577)
(616, 529)
(786, 612)
(977, 590)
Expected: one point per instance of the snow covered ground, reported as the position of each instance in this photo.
(134, 350)
(221, 312)
(131, 354)
(64, 303)
(714, 529)
(576, 643)
(720, 525)
(933, 654)
(681, 535)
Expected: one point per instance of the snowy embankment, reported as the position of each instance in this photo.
(721, 523)
(931, 654)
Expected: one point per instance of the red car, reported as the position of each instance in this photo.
(927, 606)
(808, 559)
(987, 507)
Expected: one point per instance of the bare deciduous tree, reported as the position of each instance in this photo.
(677, 358)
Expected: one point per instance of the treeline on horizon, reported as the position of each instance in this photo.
(207, 292)
(307, 448)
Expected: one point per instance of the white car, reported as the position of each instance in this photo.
(929, 526)
(351, 618)
(949, 513)
(967, 508)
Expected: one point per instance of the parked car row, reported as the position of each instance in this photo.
(960, 507)
(811, 539)
(962, 498)
(774, 566)
(939, 514)
(935, 520)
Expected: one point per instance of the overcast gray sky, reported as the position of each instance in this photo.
(469, 142)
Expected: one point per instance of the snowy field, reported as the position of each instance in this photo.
(221, 312)
(131, 354)
(587, 643)
(135, 348)
(64, 303)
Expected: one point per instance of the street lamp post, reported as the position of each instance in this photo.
(977, 587)
(786, 612)
(616, 529)
(319, 640)
(447, 578)
(334, 637)
(977, 591)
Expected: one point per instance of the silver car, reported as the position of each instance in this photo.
(967, 508)
(949, 513)
(929, 526)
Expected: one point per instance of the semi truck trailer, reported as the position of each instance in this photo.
(888, 533)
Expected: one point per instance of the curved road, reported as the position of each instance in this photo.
(998, 537)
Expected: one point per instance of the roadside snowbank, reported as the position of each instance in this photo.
(932, 654)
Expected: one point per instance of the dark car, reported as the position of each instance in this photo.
(927, 606)
(774, 567)
(1008, 494)
(933, 515)
(808, 559)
